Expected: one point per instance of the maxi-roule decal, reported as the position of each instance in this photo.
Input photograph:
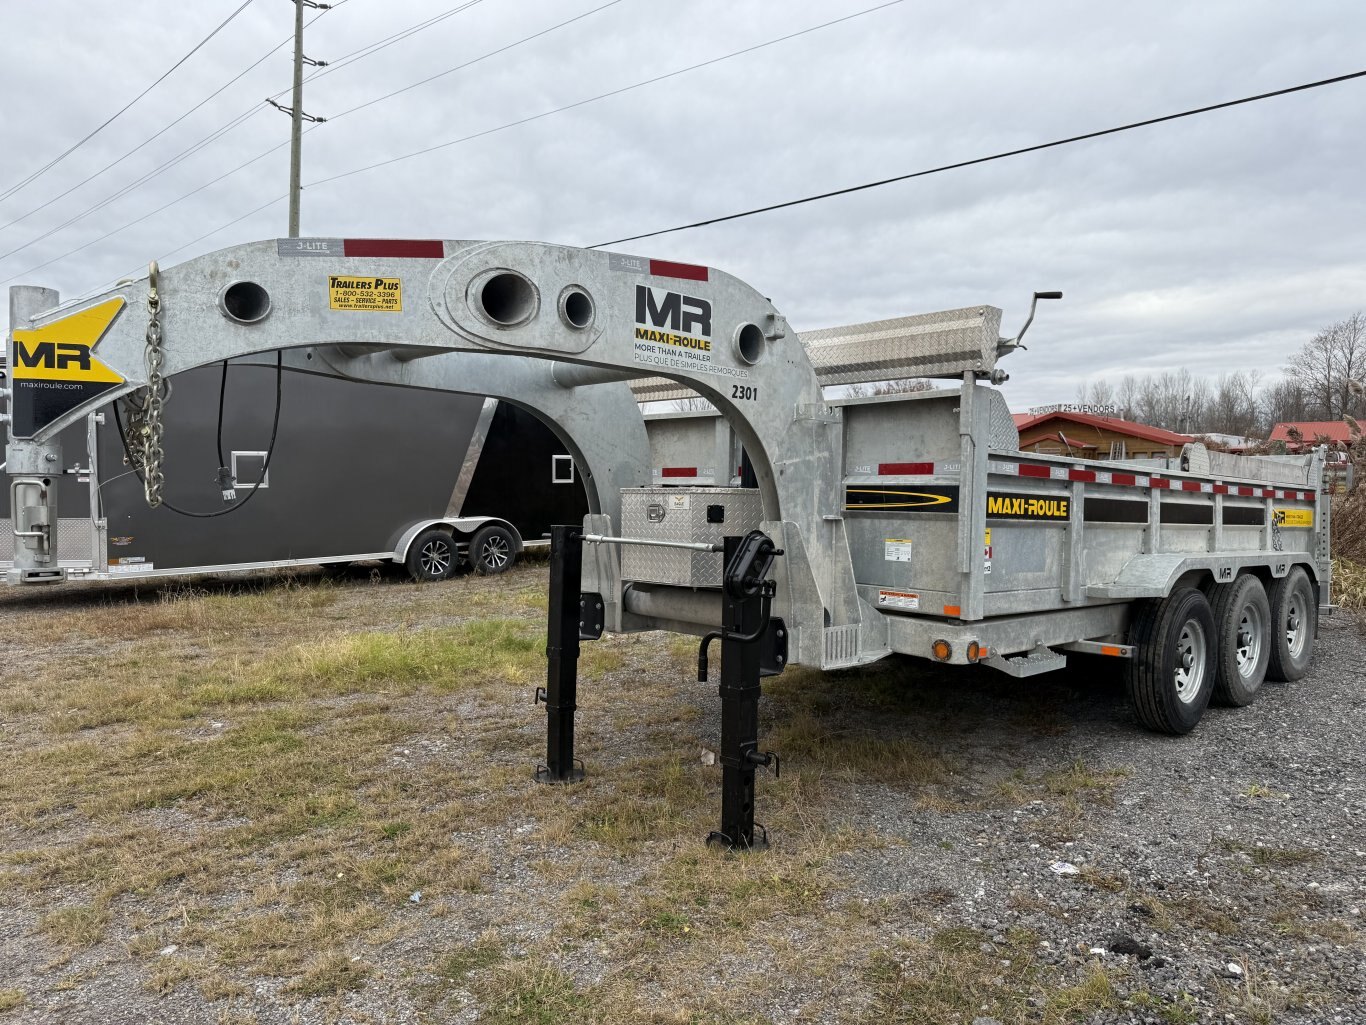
(1007, 506)
(54, 368)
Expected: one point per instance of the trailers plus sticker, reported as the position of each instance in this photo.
(1292, 517)
(911, 499)
(55, 368)
(1006, 506)
(376, 295)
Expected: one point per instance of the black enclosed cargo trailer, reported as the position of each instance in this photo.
(426, 479)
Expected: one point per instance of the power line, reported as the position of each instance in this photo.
(139, 220)
(165, 165)
(62, 156)
(372, 48)
(984, 160)
(606, 95)
(259, 156)
(476, 60)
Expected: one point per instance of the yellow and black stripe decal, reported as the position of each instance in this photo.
(907, 498)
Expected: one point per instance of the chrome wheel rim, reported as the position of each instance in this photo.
(435, 558)
(1190, 662)
(1296, 624)
(496, 552)
(1251, 629)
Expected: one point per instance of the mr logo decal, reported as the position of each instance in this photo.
(658, 307)
(673, 330)
(55, 367)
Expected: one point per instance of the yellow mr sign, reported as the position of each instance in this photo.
(54, 368)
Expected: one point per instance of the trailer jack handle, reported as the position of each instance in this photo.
(1006, 345)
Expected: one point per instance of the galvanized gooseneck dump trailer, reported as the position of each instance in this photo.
(893, 524)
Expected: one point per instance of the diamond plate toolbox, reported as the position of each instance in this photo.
(683, 514)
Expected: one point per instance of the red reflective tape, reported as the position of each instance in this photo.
(1221, 489)
(1088, 476)
(1158, 482)
(1029, 470)
(416, 248)
(678, 471)
(1190, 485)
(894, 469)
(1127, 479)
(668, 269)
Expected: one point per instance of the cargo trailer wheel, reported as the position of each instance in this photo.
(493, 550)
(1171, 675)
(1242, 616)
(1294, 621)
(431, 556)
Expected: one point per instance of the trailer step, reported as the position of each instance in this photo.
(1040, 660)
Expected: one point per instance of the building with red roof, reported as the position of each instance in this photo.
(1088, 436)
(1312, 432)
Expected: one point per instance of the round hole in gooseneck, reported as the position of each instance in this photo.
(507, 298)
(749, 343)
(576, 307)
(245, 302)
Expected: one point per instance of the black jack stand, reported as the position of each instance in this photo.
(752, 646)
(564, 628)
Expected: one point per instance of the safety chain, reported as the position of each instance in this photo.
(153, 397)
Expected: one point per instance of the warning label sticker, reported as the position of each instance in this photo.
(1292, 517)
(378, 295)
(130, 564)
(898, 600)
(896, 549)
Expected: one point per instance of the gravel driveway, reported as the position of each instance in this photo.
(948, 845)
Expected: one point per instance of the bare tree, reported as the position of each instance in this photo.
(1233, 406)
(1327, 366)
(903, 386)
(1096, 393)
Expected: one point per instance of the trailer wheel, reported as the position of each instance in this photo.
(1294, 621)
(1242, 616)
(431, 556)
(493, 550)
(1171, 675)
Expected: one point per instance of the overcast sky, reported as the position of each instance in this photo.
(1219, 242)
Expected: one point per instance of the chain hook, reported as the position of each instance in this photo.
(154, 395)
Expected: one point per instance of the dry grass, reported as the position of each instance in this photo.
(326, 787)
(960, 968)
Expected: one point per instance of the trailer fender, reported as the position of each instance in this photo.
(1157, 575)
(463, 527)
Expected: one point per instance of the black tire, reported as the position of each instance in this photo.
(1294, 622)
(431, 556)
(493, 550)
(1171, 675)
(1242, 616)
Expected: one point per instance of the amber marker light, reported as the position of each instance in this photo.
(941, 650)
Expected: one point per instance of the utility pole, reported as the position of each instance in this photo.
(296, 130)
(296, 111)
